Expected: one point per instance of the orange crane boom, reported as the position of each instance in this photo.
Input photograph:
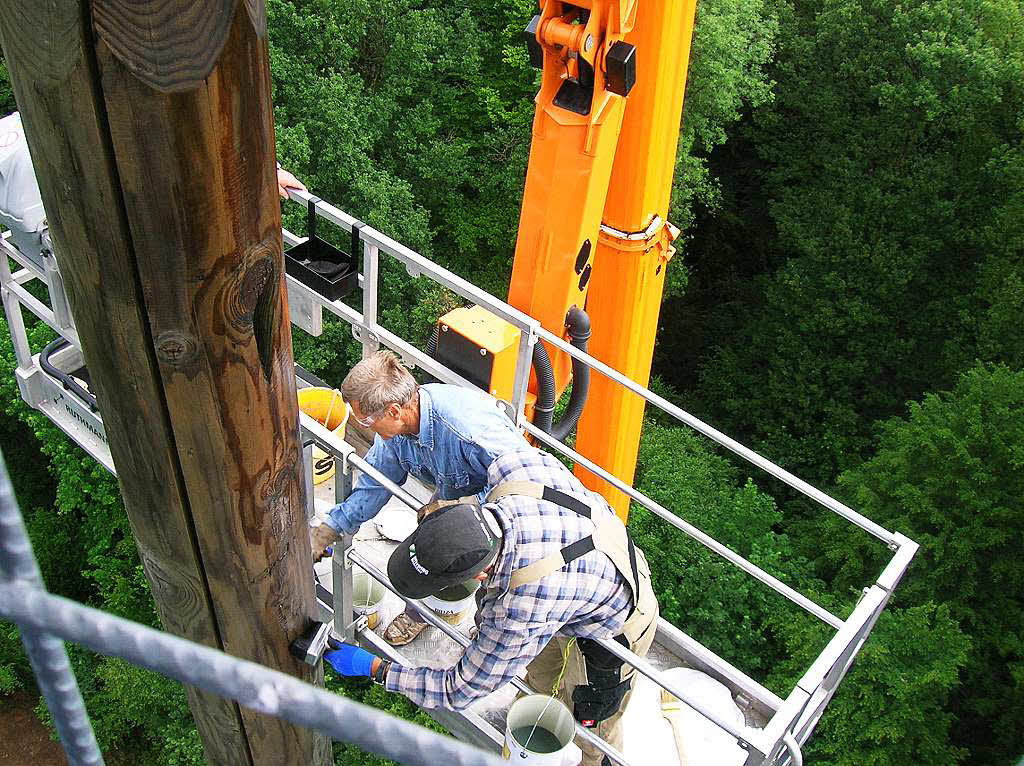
(635, 244)
(594, 216)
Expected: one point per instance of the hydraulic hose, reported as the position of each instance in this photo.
(432, 342)
(65, 380)
(544, 408)
(577, 322)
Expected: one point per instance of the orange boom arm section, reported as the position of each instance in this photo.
(575, 132)
(594, 217)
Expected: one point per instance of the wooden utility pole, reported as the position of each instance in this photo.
(151, 132)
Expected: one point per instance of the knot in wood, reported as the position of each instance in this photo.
(175, 348)
(249, 289)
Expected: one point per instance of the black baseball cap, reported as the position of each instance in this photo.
(450, 546)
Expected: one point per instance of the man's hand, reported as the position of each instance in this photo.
(319, 538)
(286, 181)
(348, 660)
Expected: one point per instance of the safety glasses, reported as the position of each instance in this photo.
(369, 420)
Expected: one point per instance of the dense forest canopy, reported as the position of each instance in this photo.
(847, 299)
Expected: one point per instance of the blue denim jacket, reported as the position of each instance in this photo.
(461, 432)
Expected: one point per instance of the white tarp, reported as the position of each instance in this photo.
(21, 207)
(649, 737)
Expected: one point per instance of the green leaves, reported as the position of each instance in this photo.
(949, 475)
(892, 707)
(891, 166)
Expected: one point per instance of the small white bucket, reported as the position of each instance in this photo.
(539, 732)
(367, 596)
(454, 599)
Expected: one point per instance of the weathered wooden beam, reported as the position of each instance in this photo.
(151, 132)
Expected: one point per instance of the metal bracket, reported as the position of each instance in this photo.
(359, 623)
(364, 334)
(635, 236)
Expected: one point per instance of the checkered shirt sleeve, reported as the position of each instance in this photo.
(587, 598)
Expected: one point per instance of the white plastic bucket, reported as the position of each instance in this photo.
(451, 601)
(367, 596)
(554, 726)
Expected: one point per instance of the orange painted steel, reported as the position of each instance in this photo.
(569, 169)
(629, 274)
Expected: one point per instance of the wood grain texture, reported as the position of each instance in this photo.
(55, 46)
(170, 46)
(257, 10)
(163, 207)
(56, 93)
(197, 173)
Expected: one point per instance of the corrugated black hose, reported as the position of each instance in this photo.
(544, 408)
(577, 322)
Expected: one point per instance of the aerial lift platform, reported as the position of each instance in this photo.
(772, 729)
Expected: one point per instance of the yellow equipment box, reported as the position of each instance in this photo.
(481, 347)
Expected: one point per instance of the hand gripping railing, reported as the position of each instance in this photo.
(41, 616)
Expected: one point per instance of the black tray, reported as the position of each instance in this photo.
(321, 266)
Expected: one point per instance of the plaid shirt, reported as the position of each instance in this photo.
(586, 598)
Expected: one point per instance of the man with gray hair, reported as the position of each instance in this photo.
(444, 435)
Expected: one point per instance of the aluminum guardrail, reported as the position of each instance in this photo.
(367, 329)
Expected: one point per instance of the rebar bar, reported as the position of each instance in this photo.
(47, 655)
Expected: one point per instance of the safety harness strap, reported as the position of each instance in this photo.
(552, 563)
(610, 534)
(540, 492)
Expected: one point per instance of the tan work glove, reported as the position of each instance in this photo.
(425, 510)
(319, 538)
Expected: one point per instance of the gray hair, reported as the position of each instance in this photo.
(377, 381)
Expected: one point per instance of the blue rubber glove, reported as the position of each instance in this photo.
(348, 660)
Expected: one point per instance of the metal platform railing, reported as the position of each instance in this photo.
(792, 720)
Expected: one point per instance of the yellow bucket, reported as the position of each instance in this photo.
(325, 406)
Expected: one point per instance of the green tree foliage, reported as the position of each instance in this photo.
(414, 116)
(893, 707)
(888, 149)
(733, 42)
(697, 590)
(950, 475)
